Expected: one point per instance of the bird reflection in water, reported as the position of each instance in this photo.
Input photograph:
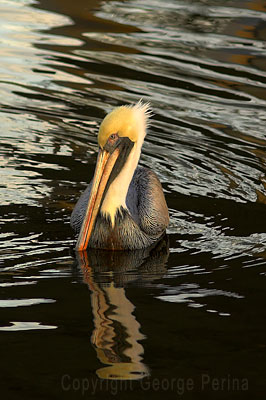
(117, 333)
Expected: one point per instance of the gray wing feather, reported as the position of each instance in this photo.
(152, 208)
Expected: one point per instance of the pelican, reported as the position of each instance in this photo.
(124, 207)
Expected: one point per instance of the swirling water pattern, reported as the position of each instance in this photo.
(201, 65)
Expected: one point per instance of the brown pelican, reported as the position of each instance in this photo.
(124, 207)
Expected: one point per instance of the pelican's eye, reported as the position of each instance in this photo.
(113, 137)
(112, 142)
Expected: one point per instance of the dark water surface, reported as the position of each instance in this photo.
(188, 321)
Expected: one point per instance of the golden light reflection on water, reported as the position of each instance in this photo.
(113, 312)
(117, 335)
(116, 332)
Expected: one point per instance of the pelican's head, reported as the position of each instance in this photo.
(120, 138)
(125, 122)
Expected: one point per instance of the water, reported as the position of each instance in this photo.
(189, 319)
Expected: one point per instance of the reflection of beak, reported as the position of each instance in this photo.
(104, 166)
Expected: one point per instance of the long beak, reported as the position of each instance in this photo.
(104, 166)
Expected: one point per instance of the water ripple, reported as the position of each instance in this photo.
(25, 326)
(202, 74)
(23, 302)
